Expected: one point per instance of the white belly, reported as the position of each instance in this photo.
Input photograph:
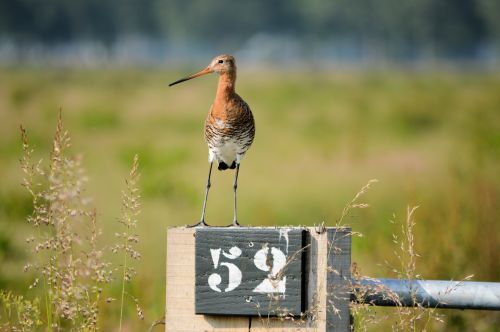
(226, 152)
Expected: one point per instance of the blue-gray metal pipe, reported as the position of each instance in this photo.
(428, 293)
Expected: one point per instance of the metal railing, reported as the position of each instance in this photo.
(428, 293)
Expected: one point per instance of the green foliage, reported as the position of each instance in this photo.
(96, 118)
(430, 138)
(127, 240)
(67, 260)
(18, 314)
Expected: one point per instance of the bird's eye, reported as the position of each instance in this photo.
(221, 61)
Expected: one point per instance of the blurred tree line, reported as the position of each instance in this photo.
(437, 27)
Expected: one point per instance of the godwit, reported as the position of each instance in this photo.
(229, 127)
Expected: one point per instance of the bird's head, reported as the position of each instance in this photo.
(222, 64)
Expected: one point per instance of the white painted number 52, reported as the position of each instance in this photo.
(274, 283)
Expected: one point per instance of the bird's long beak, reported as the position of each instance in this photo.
(205, 71)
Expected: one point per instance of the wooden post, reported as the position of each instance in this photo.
(325, 291)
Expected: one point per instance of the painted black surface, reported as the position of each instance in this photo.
(243, 300)
(338, 280)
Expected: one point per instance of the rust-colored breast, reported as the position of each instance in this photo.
(230, 120)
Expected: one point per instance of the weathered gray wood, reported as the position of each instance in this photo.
(338, 279)
(180, 316)
(319, 262)
(253, 271)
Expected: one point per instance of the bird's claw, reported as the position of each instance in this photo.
(321, 228)
(234, 224)
(199, 224)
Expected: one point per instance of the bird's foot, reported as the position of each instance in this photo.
(234, 224)
(321, 228)
(199, 224)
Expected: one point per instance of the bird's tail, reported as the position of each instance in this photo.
(223, 166)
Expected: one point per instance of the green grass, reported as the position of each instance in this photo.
(431, 139)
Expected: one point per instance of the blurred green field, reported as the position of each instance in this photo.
(431, 139)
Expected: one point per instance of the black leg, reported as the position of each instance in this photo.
(235, 186)
(202, 222)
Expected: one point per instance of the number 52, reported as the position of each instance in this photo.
(272, 284)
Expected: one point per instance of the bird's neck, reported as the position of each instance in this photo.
(225, 88)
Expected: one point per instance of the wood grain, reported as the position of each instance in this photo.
(245, 299)
(327, 266)
(180, 315)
